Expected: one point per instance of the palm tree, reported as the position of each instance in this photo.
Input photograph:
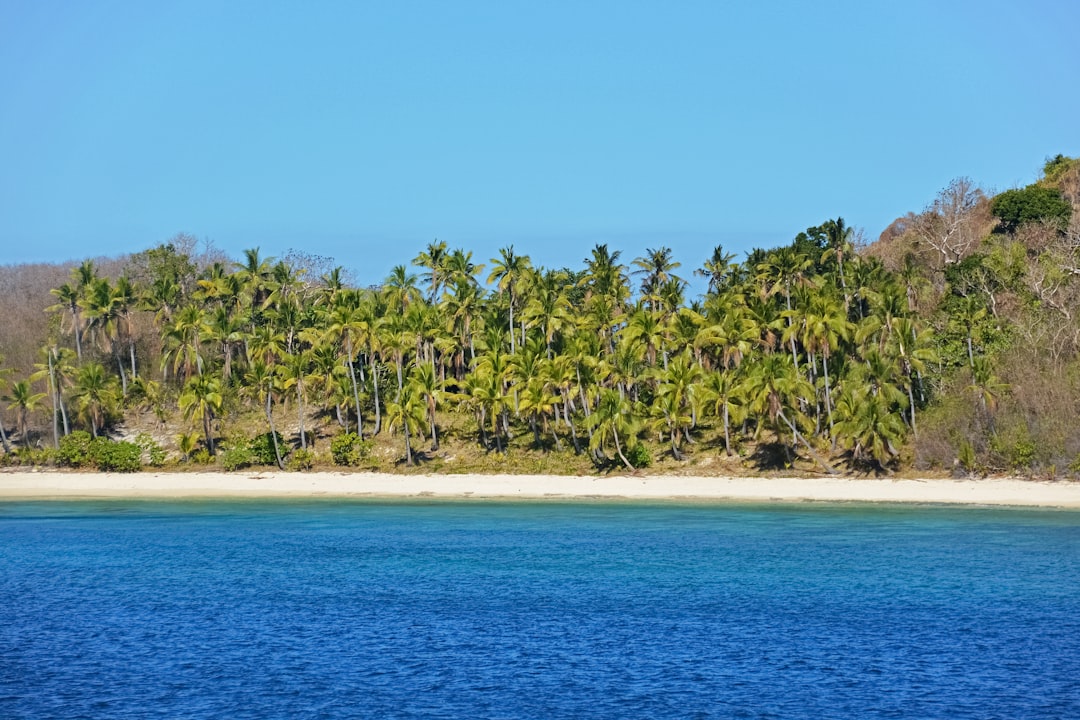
(723, 393)
(867, 428)
(23, 400)
(429, 387)
(201, 396)
(507, 272)
(94, 394)
(69, 297)
(717, 269)
(263, 382)
(434, 259)
(656, 269)
(4, 382)
(295, 372)
(775, 389)
(408, 412)
(614, 415)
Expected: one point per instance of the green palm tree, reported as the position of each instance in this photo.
(407, 412)
(95, 395)
(434, 259)
(262, 381)
(507, 272)
(428, 385)
(5, 373)
(724, 394)
(867, 428)
(23, 400)
(201, 396)
(615, 415)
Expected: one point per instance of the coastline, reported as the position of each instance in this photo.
(165, 485)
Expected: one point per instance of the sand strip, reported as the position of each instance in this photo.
(58, 485)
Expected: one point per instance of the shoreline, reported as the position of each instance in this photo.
(1014, 492)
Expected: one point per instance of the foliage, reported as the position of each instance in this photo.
(153, 453)
(349, 450)
(236, 458)
(261, 448)
(115, 456)
(1034, 203)
(300, 459)
(75, 450)
(639, 456)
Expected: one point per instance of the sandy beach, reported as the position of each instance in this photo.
(1015, 492)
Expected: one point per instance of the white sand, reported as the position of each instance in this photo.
(716, 489)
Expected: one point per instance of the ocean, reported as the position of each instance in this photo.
(365, 609)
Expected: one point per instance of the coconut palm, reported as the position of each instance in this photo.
(408, 412)
(95, 395)
(201, 397)
(615, 416)
(866, 427)
(262, 382)
(507, 272)
(23, 400)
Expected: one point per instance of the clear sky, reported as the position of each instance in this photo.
(365, 130)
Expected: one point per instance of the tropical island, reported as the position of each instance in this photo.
(948, 346)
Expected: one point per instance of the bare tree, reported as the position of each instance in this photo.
(951, 224)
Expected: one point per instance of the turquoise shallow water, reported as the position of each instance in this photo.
(333, 610)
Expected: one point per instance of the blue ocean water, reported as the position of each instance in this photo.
(466, 610)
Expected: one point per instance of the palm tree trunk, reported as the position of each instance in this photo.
(799, 438)
(3, 436)
(356, 392)
(300, 412)
(727, 432)
(431, 415)
(618, 449)
(273, 432)
(375, 380)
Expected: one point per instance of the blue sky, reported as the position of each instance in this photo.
(363, 131)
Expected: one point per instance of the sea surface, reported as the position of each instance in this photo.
(330, 609)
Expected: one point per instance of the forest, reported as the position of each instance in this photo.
(948, 345)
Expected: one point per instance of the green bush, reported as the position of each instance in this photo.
(349, 450)
(639, 456)
(262, 449)
(300, 459)
(154, 453)
(202, 456)
(111, 456)
(75, 450)
(236, 458)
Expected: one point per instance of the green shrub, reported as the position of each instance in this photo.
(154, 453)
(262, 449)
(202, 456)
(300, 459)
(75, 450)
(349, 450)
(236, 458)
(111, 456)
(639, 456)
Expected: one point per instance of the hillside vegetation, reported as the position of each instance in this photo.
(950, 344)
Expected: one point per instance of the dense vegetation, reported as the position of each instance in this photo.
(950, 342)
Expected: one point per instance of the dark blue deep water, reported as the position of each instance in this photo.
(546, 610)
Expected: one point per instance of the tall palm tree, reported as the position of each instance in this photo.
(5, 373)
(507, 272)
(69, 296)
(656, 268)
(408, 412)
(434, 259)
(428, 385)
(615, 415)
(724, 394)
(201, 396)
(95, 394)
(263, 382)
